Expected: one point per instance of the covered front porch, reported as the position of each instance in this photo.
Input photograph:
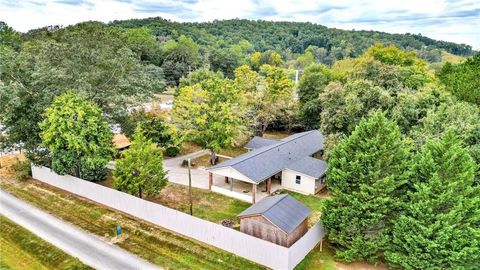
(241, 189)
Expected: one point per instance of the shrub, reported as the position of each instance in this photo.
(22, 170)
(172, 151)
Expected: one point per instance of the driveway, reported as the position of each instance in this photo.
(88, 248)
(179, 175)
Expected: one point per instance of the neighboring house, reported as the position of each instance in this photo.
(279, 219)
(289, 163)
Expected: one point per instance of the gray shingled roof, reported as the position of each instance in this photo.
(309, 166)
(261, 163)
(258, 142)
(283, 211)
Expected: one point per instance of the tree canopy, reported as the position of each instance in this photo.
(77, 136)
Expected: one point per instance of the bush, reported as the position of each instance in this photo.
(172, 151)
(96, 173)
(23, 170)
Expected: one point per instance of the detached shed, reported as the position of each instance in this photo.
(279, 219)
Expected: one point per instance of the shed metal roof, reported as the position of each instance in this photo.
(266, 161)
(309, 166)
(258, 142)
(283, 211)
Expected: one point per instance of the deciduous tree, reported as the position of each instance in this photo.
(77, 136)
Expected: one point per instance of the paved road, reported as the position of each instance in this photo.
(88, 248)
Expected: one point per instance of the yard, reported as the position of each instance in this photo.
(20, 249)
(152, 243)
(207, 205)
(158, 245)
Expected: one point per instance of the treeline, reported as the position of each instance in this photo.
(290, 37)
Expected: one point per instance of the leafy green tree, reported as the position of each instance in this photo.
(461, 117)
(276, 96)
(8, 36)
(224, 60)
(313, 81)
(181, 57)
(210, 113)
(440, 228)
(412, 106)
(89, 58)
(342, 106)
(77, 136)
(140, 170)
(366, 175)
(462, 79)
(200, 76)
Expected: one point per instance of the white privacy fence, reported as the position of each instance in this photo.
(238, 243)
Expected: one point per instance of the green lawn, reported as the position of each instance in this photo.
(206, 204)
(152, 243)
(20, 249)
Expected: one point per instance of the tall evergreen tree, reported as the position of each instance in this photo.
(140, 171)
(366, 174)
(440, 228)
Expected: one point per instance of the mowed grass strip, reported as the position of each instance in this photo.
(152, 243)
(21, 249)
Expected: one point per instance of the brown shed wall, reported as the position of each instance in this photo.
(297, 233)
(260, 227)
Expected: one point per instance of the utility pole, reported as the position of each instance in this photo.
(190, 187)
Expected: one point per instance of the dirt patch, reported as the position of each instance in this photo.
(7, 162)
(359, 266)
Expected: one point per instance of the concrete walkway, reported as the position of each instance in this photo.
(88, 248)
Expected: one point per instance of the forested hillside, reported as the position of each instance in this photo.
(291, 37)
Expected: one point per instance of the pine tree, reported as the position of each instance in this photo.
(440, 228)
(140, 171)
(366, 174)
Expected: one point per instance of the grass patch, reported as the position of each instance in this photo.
(203, 161)
(277, 135)
(152, 243)
(233, 151)
(20, 249)
(206, 204)
(316, 259)
(188, 147)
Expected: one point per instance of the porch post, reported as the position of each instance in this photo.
(231, 184)
(254, 192)
(210, 180)
(269, 185)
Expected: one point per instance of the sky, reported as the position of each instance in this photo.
(450, 20)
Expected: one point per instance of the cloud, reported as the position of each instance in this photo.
(74, 2)
(452, 20)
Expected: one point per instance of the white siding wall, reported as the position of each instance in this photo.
(238, 243)
(307, 183)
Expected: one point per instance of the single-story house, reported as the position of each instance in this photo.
(279, 219)
(290, 163)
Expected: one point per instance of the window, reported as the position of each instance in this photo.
(298, 179)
